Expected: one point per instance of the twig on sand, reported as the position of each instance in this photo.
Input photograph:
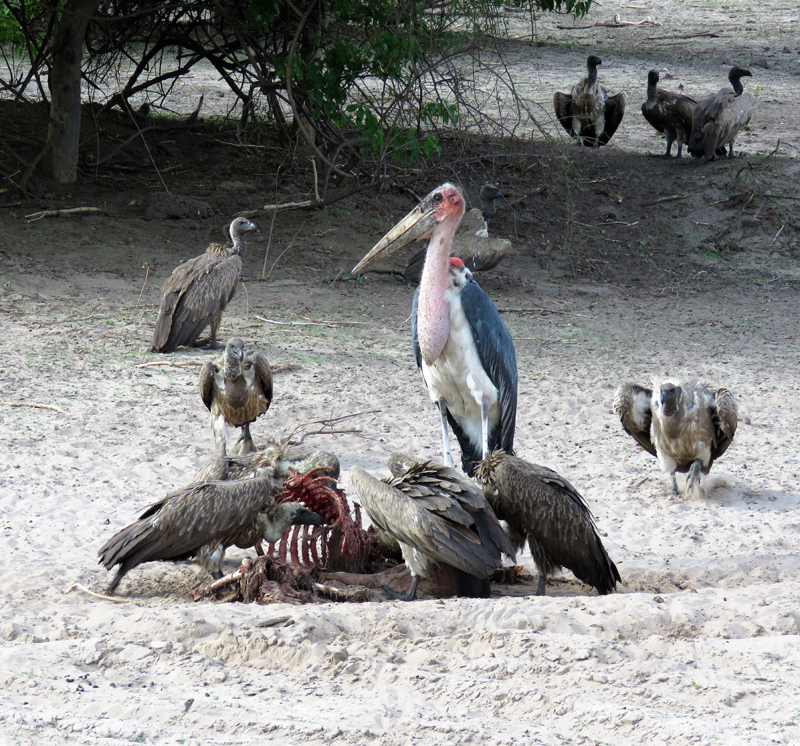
(97, 595)
(325, 429)
(664, 199)
(141, 292)
(35, 406)
(309, 323)
(34, 216)
(542, 310)
(277, 368)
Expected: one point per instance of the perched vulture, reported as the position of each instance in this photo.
(438, 517)
(198, 291)
(718, 118)
(588, 112)
(202, 521)
(544, 508)
(668, 112)
(471, 243)
(685, 424)
(236, 388)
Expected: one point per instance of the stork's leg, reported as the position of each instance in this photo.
(540, 586)
(409, 595)
(693, 478)
(484, 428)
(448, 457)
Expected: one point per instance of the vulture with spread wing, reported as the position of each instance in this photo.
(198, 291)
(684, 423)
(588, 112)
(439, 518)
(236, 388)
(539, 505)
(202, 521)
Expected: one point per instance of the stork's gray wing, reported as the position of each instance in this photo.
(498, 358)
(725, 417)
(615, 110)
(632, 406)
(206, 382)
(563, 104)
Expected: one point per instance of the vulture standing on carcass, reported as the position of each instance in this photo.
(588, 112)
(471, 243)
(198, 291)
(718, 118)
(202, 521)
(460, 343)
(685, 424)
(669, 112)
(439, 518)
(539, 505)
(236, 388)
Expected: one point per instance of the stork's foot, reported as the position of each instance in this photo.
(409, 595)
(540, 586)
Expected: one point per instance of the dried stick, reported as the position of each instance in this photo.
(115, 599)
(665, 199)
(34, 216)
(35, 406)
(144, 285)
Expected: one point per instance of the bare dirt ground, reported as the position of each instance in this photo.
(700, 644)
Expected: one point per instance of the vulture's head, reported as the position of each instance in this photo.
(593, 61)
(446, 202)
(240, 226)
(652, 77)
(300, 515)
(235, 349)
(670, 398)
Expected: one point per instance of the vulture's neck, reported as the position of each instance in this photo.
(738, 88)
(233, 367)
(239, 244)
(652, 93)
(591, 78)
(433, 311)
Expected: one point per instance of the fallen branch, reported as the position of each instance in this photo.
(671, 198)
(542, 310)
(279, 368)
(307, 204)
(308, 323)
(34, 216)
(710, 34)
(35, 406)
(97, 595)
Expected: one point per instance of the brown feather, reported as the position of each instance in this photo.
(545, 508)
(668, 112)
(436, 515)
(203, 520)
(236, 388)
(198, 291)
(718, 118)
(588, 112)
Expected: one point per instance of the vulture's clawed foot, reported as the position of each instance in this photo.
(693, 478)
(541, 585)
(409, 595)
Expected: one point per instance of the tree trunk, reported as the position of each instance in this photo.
(60, 157)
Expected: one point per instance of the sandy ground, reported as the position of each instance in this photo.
(699, 646)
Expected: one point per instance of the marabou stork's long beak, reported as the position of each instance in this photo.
(415, 226)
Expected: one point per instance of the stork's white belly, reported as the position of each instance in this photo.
(458, 377)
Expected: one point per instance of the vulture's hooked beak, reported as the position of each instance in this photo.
(305, 517)
(415, 226)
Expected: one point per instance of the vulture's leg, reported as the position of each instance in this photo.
(680, 148)
(448, 457)
(259, 549)
(220, 429)
(246, 440)
(409, 595)
(693, 478)
(210, 557)
(730, 150)
(599, 128)
(673, 482)
(112, 586)
(540, 586)
(668, 154)
(484, 428)
(215, 322)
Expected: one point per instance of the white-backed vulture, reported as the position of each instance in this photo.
(668, 112)
(271, 460)
(718, 118)
(198, 291)
(684, 423)
(236, 388)
(588, 112)
(539, 505)
(439, 518)
(471, 243)
(202, 521)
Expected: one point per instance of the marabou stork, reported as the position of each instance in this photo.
(461, 344)
(437, 517)
(684, 423)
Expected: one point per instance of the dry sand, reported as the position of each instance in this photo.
(699, 646)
